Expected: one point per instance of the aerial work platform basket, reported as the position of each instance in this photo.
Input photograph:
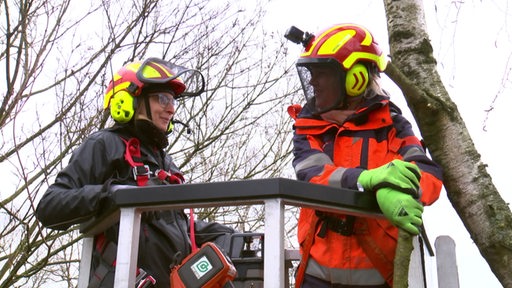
(273, 193)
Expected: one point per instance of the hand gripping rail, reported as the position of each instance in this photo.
(274, 193)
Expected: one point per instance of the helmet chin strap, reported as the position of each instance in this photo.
(148, 108)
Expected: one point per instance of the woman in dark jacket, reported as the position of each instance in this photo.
(141, 100)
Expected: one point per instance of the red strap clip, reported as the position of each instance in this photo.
(172, 178)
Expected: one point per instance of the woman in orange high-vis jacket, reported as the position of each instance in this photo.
(349, 134)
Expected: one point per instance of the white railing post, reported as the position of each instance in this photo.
(127, 248)
(416, 265)
(273, 257)
(85, 262)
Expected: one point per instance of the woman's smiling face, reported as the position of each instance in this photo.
(162, 107)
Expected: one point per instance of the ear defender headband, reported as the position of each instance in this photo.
(122, 106)
(356, 80)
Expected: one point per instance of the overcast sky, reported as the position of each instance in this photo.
(472, 44)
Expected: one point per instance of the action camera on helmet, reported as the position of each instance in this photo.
(297, 36)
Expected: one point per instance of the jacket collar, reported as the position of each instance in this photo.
(359, 117)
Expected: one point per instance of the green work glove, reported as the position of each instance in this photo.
(401, 209)
(400, 175)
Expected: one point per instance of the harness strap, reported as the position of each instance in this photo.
(344, 227)
(141, 172)
(192, 231)
(174, 178)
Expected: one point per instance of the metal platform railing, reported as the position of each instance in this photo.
(274, 194)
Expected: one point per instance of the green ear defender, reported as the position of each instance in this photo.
(122, 106)
(357, 80)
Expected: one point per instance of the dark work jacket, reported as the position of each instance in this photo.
(82, 190)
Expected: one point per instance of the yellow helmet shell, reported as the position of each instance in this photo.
(348, 44)
(132, 79)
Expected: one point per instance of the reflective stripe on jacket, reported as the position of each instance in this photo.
(335, 155)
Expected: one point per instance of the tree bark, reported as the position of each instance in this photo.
(476, 200)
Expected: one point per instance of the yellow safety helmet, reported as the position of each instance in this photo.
(350, 48)
(137, 78)
(347, 44)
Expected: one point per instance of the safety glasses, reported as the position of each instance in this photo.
(164, 99)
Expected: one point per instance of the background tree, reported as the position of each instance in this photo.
(469, 186)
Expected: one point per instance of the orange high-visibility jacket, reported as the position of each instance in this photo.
(335, 155)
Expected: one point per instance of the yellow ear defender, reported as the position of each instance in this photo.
(122, 106)
(357, 80)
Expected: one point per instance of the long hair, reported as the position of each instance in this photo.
(374, 87)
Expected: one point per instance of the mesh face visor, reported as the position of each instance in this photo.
(305, 79)
(303, 69)
(187, 82)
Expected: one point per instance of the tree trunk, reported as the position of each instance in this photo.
(470, 189)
